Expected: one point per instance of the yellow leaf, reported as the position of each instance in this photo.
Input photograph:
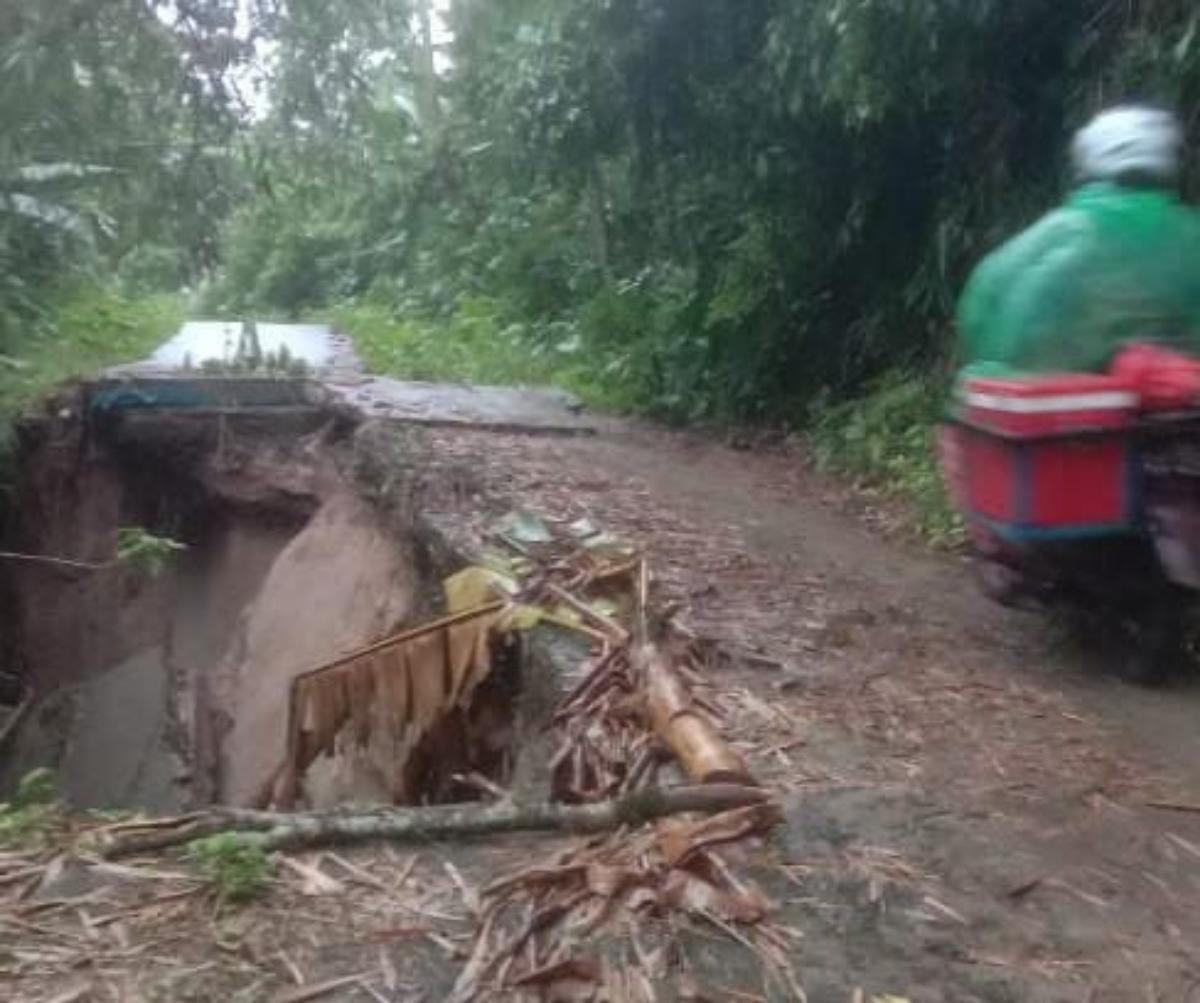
(520, 617)
(567, 616)
(474, 587)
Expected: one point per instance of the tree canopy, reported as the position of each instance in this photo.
(724, 207)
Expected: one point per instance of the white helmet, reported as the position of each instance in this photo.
(1129, 142)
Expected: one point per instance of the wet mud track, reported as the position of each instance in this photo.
(968, 800)
(967, 803)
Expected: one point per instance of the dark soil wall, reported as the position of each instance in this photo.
(119, 658)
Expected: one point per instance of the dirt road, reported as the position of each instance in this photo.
(967, 805)
(967, 799)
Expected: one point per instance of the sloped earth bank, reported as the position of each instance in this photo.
(967, 807)
(162, 691)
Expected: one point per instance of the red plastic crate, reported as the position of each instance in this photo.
(1044, 457)
(1048, 405)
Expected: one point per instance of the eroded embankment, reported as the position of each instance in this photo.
(158, 691)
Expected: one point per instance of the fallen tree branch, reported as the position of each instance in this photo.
(1187, 809)
(310, 829)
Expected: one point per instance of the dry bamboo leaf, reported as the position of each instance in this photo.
(678, 840)
(135, 873)
(315, 882)
(567, 979)
(76, 995)
(609, 881)
(403, 694)
(690, 991)
(391, 979)
(300, 994)
(1184, 844)
(292, 968)
(480, 961)
(481, 659)
(470, 895)
(362, 701)
(639, 988)
(395, 691)
(685, 891)
(390, 705)
(535, 876)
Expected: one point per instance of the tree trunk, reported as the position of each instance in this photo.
(598, 217)
(426, 74)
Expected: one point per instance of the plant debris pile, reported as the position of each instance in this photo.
(537, 927)
(416, 704)
(654, 808)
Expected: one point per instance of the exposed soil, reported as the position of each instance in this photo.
(967, 801)
(159, 691)
(968, 797)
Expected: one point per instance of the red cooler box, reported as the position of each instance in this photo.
(1044, 457)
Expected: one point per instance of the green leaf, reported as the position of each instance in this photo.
(524, 527)
(145, 551)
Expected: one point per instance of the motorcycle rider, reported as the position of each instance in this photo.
(1117, 262)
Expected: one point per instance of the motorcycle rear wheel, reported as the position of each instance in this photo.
(1147, 644)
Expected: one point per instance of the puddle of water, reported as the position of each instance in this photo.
(200, 341)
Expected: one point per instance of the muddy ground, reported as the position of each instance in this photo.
(967, 803)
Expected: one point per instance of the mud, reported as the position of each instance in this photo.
(967, 795)
(160, 691)
(968, 800)
(342, 582)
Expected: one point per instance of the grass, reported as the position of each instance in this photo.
(28, 821)
(473, 346)
(886, 440)
(88, 328)
(236, 865)
(468, 348)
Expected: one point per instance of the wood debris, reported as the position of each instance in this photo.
(540, 925)
(643, 852)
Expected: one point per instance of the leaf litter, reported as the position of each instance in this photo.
(533, 932)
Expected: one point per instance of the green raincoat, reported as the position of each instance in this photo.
(1113, 265)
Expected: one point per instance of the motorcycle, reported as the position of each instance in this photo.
(1082, 491)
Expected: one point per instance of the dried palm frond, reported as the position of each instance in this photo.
(396, 690)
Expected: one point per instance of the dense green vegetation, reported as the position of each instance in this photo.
(115, 148)
(884, 440)
(729, 210)
(80, 329)
(726, 206)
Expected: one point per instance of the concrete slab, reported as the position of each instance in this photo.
(200, 341)
(500, 408)
(158, 382)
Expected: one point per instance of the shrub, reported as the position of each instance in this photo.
(236, 865)
(33, 814)
(886, 440)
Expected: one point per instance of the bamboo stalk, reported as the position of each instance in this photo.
(703, 754)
